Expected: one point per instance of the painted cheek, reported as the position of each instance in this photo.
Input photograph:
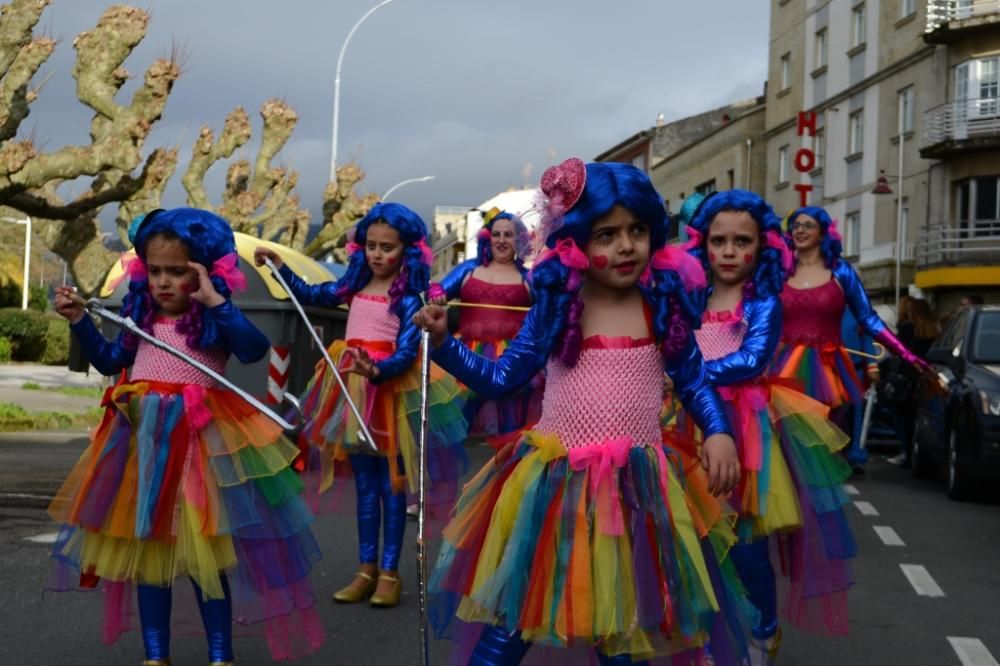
(599, 261)
(711, 256)
(391, 261)
(747, 259)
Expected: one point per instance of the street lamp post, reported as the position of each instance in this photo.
(27, 255)
(336, 88)
(422, 179)
(899, 209)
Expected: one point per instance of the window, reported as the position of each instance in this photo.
(907, 7)
(819, 145)
(731, 174)
(783, 164)
(852, 234)
(858, 27)
(786, 71)
(856, 132)
(979, 82)
(706, 188)
(978, 205)
(821, 48)
(906, 109)
(639, 161)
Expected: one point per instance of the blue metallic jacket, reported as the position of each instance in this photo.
(407, 340)
(525, 357)
(868, 319)
(763, 318)
(239, 337)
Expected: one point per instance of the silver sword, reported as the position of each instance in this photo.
(425, 378)
(867, 420)
(365, 435)
(95, 305)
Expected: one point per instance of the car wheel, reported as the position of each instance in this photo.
(961, 486)
(921, 464)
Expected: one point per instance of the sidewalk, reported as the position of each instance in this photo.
(13, 376)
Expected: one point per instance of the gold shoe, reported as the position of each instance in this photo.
(156, 662)
(352, 594)
(765, 652)
(392, 598)
(222, 663)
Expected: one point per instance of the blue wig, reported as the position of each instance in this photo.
(207, 238)
(484, 248)
(557, 287)
(414, 274)
(829, 248)
(768, 276)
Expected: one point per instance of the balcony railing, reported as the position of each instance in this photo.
(942, 12)
(884, 252)
(964, 120)
(962, 242)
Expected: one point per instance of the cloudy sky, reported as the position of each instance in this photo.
(482, 94)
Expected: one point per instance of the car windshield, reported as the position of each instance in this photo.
(986, 339)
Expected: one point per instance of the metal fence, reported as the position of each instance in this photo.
(961, 242)
(942, 12)
(964, 119)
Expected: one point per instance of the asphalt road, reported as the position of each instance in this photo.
(892, 622)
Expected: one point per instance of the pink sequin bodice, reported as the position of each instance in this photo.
(614, 390)
(721, 333)
(369, 319)
(154, 364)
(488, 323)
(812, 316)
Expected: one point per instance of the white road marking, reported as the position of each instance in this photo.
(972, 652)
(850, 489)
(888, 535)
(866, 508)
(48, 537)
(921, 580)
(26, 496)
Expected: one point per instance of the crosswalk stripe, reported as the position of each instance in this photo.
(866, 508)
(851, 489)
(48, 537)
(972, 652)
(921, 580)
(888, 535)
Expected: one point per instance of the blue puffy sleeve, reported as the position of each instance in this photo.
(239, 337)
(519, 363)
(857, 299)
(692, 386)
(452, 282)
(763, 317)
(323, 295)
(108, 357)
(407, 343)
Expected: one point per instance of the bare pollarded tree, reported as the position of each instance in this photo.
(30, 177)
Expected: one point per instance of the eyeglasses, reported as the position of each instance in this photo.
(804, 226)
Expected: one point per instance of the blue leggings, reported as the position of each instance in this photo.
(375, 498)
(499, 647)
(754, 567)
(216, 617)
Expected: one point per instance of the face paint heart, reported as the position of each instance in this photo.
(747, 259)
(599, 261)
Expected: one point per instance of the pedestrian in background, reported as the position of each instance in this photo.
(917, 332)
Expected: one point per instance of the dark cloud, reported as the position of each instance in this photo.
(468, 91)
